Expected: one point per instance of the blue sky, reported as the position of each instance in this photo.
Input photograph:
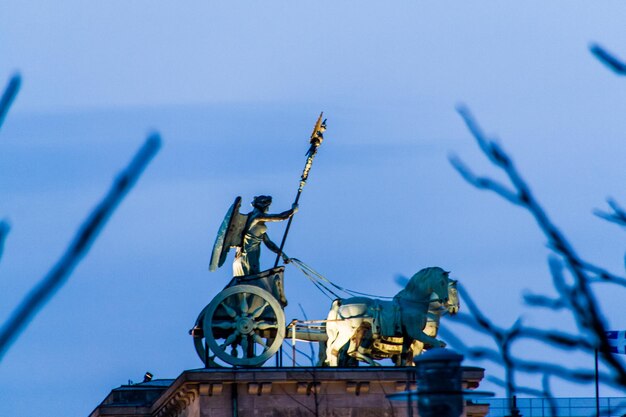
(235, 89)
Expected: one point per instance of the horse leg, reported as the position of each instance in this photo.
(332, 333)
(417, 347)
(343, 359)
(321, 354)
(406, 357)
(342, 336)
(331, 360)
(431, 330)
(425, 339)
(361, 344)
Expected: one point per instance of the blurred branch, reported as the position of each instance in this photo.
(10, 92)
(538, 300)
(617, 215)
(503, 338)
(519, 365)
(552, 337)
(601, 274)
(9, 96)
(478, 353)
(581, 299)
(556, 338)
(545, 384)
(521, 390)
(4, 231)
(81, 244)
(484, 183)
(614, 64)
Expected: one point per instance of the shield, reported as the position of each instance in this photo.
(230, 235)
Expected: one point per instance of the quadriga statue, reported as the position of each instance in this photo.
(368, 329)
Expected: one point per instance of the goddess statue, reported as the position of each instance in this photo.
(254, 232)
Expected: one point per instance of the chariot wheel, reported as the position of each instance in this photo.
(243, 325)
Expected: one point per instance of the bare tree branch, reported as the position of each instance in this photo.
(545, 384)
(602, 275)
(556, 338)
(552, 337)
(81, 244)
(483, 183)
(582, 301)
(521, 390)
(9, 95)
(478, 353)
(4, 231)
(6, 100)
(502, 338)
(614, 64)
(538, 300)
(617, 215)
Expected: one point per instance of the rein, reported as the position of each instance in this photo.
(322, 283)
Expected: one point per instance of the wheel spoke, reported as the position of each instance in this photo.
(258, 311)
(230, 339)
(244, 345)
(259, 340)
(263, 325)
(232, 313)
(224, 325)
(244, 304)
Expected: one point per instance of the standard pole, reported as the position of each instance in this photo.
(282, 242)
(316, 140)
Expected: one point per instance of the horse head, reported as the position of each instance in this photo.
(425, 283)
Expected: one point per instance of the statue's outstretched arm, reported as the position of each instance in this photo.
(273, 247)
(280, 216)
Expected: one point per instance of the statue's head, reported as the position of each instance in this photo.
(262, 202)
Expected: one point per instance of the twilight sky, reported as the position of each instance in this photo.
(234, 90)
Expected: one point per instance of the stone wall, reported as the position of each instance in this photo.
(276, 392)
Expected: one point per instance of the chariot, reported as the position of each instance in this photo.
(244, 324)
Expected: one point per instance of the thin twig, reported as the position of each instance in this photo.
(9, 95)
(4, 231)
(522, 390)
(483, 183)
(520, 365)
(478, 353)
(602, 275)
(556, 338)
(538, 300)
(582, 301)
(617, 215)
(81, 244)
(614, 64)
(545, 384)
(502, 338)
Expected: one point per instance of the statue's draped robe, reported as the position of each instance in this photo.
(247, 259)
